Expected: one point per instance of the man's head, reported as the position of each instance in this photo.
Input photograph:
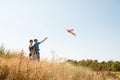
(35, 40)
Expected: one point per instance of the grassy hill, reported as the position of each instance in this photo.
(15, 66)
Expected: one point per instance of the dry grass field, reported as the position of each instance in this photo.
(18, 67)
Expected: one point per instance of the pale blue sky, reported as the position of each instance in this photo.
(96, 23)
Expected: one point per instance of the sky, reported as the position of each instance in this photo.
(95, 22)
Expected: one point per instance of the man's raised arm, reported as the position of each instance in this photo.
(43, 40)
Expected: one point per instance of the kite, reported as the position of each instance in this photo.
(71, 31)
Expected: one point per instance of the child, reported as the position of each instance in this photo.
(31, 50)
(36, 46)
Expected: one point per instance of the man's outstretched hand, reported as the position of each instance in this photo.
(46, 38)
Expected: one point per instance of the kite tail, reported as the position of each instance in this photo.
(73, 33)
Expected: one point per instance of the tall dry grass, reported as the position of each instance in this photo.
(18, 67)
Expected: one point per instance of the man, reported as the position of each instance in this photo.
(36, 46)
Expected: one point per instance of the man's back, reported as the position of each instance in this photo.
(36, 45)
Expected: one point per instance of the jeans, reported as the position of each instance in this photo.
(37, 53)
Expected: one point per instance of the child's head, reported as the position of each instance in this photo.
(31, 41)
(35, 40)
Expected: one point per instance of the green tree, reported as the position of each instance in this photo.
(116, 66)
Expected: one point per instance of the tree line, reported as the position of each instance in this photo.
(97, 66)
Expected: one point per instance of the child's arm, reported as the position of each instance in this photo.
(43, 40)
